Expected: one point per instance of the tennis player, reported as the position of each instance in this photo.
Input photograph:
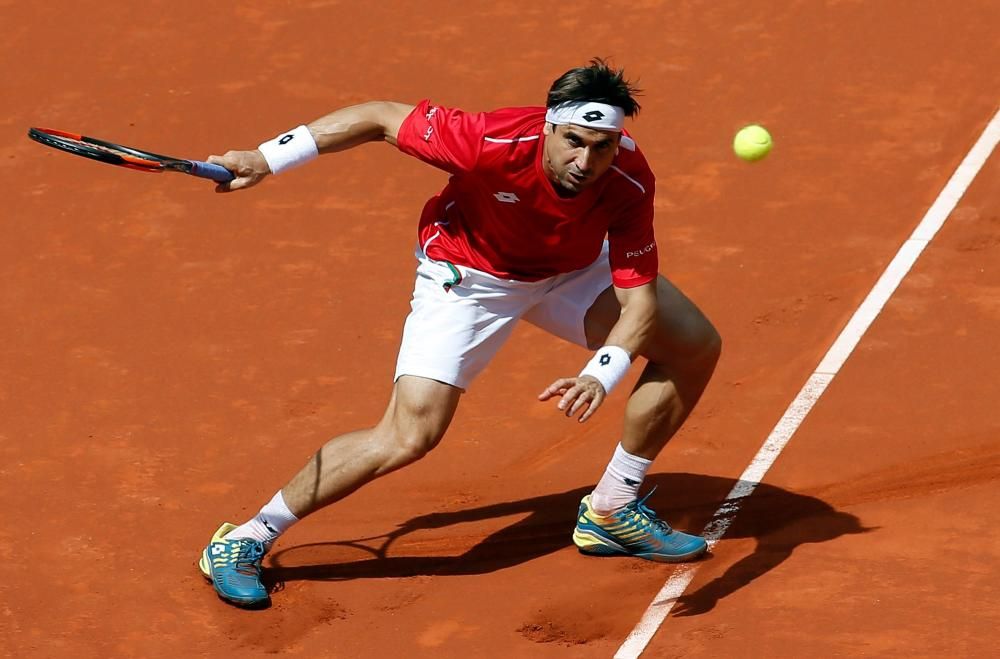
(547, 218)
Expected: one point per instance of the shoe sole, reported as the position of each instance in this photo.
(592, 544)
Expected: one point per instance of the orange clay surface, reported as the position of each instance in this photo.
(169, 356)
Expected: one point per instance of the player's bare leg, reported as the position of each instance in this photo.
(416, 418)
(681, 358)
(414, 422)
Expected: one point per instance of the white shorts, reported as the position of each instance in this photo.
(454, 330)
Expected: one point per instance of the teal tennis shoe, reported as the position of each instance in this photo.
(234, 568)
(634, 530)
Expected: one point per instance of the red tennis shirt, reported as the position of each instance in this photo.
(499, 212)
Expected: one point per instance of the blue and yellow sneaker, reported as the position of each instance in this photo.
(635, 530)
(233, 567)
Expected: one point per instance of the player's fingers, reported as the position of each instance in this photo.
(558, 392)
(237, 183)
(570, 397)
(219, 160)
(241, 182)
(557, 388)
(228, 163)
(562, 384)
(233, 161)
(241, 163)
(594, 404)
(583, 399)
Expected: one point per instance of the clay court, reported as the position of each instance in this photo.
(170, 356)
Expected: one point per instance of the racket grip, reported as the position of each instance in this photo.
(208, 170)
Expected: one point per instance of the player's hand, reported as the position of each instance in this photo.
(249, 167)
(580, 393)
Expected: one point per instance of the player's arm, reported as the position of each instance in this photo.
(635, 325)
(342, 129)
(628, 336)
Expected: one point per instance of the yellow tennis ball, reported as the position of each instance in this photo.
(752, 143)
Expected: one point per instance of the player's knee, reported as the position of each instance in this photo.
(705, 345)
(696, 348)
(709, 343)
(416, 419)
(411, 444)
(411, 434)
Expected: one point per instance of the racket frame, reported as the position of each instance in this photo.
(125, 156)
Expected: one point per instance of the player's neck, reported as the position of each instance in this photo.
(563, 192)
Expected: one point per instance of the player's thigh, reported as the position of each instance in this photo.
(454, 329)
(682, 330)
(562, 310)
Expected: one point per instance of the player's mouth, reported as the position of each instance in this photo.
(579, 179)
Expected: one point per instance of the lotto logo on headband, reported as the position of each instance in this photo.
(587, 113)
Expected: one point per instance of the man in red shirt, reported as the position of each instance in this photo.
(547, 217)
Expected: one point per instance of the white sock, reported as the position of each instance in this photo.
(273, 519)
(620, 483)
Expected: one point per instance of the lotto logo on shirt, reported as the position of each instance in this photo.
(645, 250)
(506, 197)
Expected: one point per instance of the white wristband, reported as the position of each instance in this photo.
(288, 150)
(609, 366)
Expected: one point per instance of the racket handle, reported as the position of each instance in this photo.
(208, 170)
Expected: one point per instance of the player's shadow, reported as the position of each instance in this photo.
(779, 521)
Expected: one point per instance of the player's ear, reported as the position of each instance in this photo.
(549, 129)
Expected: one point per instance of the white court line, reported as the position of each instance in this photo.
(814, 387)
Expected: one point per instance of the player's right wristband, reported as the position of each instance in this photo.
(608, 366)
(289, 150)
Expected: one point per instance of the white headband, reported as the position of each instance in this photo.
(588, 114)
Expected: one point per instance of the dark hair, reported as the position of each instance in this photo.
(597, 82)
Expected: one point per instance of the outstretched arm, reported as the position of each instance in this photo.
(342, 129)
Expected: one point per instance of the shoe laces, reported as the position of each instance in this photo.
(650, 515)
(248, 555)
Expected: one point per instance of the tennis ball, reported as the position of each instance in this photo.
(752, 143)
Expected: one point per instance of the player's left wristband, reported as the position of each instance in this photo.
(289, 150)
(609, 366)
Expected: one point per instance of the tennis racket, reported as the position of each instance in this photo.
(124, 156)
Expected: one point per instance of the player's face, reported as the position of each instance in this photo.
(575, 157)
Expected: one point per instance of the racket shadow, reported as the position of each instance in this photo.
(779, 520)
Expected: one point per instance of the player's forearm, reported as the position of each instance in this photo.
(635, 326)
(636, 322)
(609, 365)
(348, 127)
